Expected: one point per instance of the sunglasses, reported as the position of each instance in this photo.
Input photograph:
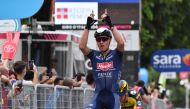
(102, 39)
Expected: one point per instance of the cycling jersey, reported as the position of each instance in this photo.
(129, 100)
(106, 73)
(129, 103)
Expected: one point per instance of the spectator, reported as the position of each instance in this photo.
(141, 89)
(31, 76)
(58, 81)
(89, 83)
(68, 82)
(168, 103)
(12, 77)
(47, 77)
(79, 79)
(20, 69)
(4, 74)
(28, 77)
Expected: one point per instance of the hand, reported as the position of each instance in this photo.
(90, 22)
(35, 68)
(10, 46)
(17, 91)
(107, 19)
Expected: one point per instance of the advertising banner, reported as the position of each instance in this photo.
(171, 60)
(74, 12)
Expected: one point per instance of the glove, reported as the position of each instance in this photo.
(107, 19)
(90, 22)
(10, 46)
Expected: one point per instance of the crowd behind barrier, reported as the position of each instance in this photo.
(41, 96)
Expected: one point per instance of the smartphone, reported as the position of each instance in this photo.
(30, 64)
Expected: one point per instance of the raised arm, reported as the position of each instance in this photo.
(83, 42)
(84, 38)
(119, 39)
(116, 34)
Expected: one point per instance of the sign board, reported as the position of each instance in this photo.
(122, 12)
(183, 75)
(74, 12)
(9, 25)
(169, 75)
(171, 60)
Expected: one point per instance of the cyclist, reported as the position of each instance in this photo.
(128, 96)
(106, 64)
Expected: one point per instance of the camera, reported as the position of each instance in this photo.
(30, 64)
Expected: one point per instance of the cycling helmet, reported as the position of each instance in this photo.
(123, 87)
(102, 32)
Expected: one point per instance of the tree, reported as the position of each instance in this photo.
(165, 26)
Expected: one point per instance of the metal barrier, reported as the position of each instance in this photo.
(62, 98)
(154, 104)
(43, 96)
(77, 97)
(88, 94)
(24, 100)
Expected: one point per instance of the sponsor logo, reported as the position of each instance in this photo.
(102, 75)
(74, 12)
(171, 60)
(62, 13)
(9, 48)
(167, 61)
(105, 66)
(186, 59)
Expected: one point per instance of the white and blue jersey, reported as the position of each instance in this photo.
(106, 73)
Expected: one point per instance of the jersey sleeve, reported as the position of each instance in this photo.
(90, 55)
(119, 53)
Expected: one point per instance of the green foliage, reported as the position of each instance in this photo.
(153, 75)
(178, 96)
(165, 25)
